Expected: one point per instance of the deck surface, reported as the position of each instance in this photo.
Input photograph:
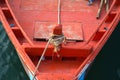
(30, 12)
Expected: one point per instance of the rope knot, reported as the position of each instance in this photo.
(57, 37)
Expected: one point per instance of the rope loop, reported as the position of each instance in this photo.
(56, 41)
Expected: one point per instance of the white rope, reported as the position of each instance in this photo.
(59, 9)
(49, 41)
(100, 8)
(41, 57)
(56, 41)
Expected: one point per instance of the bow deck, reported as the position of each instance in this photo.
(29, 24)
(32, 13)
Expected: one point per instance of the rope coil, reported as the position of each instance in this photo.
(56, 41)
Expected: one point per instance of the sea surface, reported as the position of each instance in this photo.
(105, 67)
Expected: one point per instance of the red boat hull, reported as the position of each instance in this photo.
(29, 23)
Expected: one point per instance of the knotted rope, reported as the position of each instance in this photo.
(56, 41)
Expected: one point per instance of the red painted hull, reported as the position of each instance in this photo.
(23, 21)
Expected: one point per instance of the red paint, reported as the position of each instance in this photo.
(71, 30)
(57, 30)
(85, 33)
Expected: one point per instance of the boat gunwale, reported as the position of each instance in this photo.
(102, 41)
(21, 53)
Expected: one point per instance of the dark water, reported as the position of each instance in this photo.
(107, 64)
(10, 66)
(105, 67)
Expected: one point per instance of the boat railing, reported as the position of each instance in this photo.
(12, 22)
